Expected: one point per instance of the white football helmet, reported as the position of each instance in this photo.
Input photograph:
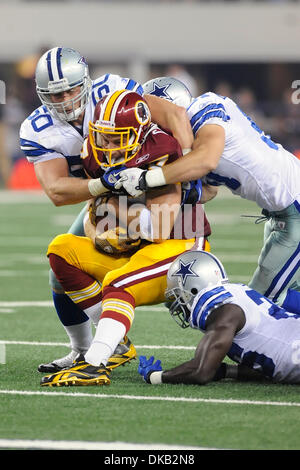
(169, 88)
(190, 273)
(61, 69)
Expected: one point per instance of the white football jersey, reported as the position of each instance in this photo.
(44, 137)
(252, 165)
(270, 338)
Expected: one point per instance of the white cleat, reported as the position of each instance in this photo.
(59, 364)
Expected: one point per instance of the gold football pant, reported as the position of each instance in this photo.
(120, 282)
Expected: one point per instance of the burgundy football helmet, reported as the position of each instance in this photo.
(119, 125)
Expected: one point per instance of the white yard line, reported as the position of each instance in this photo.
(25, 303)
(142, 346)
(49, 303)
(84, 445)
(149, 398)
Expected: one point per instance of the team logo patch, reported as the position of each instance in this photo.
(160, 91)
(185, 270)
(143, 158)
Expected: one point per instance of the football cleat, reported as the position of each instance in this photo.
(125, 352)
(59, 364)
(81, 374)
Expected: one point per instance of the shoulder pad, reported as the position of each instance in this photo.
(158, 147)
(90, 165)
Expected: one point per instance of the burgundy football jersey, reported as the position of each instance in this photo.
(158, 148)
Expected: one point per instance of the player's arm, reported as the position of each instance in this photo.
(172, 117)
(62, 189)
(242, 373)
(204, 157)
(209, 192)
(221, 327)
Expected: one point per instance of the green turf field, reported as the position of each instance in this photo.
(223, 415)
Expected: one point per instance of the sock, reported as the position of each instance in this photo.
(292, 301)
(94, 312)
(108, 335)
(68, 312)
(80, 336)
(118, 305)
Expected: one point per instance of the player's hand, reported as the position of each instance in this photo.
(191, 192)
(110, 178)
(133, 180)
(147, 366)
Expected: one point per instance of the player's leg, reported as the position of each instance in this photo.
(76, 324)
(80, 268)
(141, 281)
(278, 273)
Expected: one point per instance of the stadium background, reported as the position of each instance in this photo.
(248, 50)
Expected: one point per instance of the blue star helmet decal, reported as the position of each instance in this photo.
(161, 91)
(185, 271)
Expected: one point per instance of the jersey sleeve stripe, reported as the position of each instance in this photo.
(203, 111)
(31, 144)
(211, 305)
(134, 86)
(205, 303)
(34, 153)
(201, 301)
(212, 114)
(33, 149)
(131, 85)
(140, 90)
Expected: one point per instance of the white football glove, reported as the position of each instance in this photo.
(133, 181)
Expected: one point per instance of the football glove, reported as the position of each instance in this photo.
(147, 366)
(111, 177)
(133, 181)
(191, 192)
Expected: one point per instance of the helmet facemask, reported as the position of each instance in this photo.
(109, 140)
(120, 122)
(179, 303)
(60, 109)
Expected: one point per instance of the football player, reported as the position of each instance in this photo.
(237, 322)
(230, 149)
(118, 275)
(52, 137)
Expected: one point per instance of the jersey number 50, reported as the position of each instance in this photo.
(40, 121)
